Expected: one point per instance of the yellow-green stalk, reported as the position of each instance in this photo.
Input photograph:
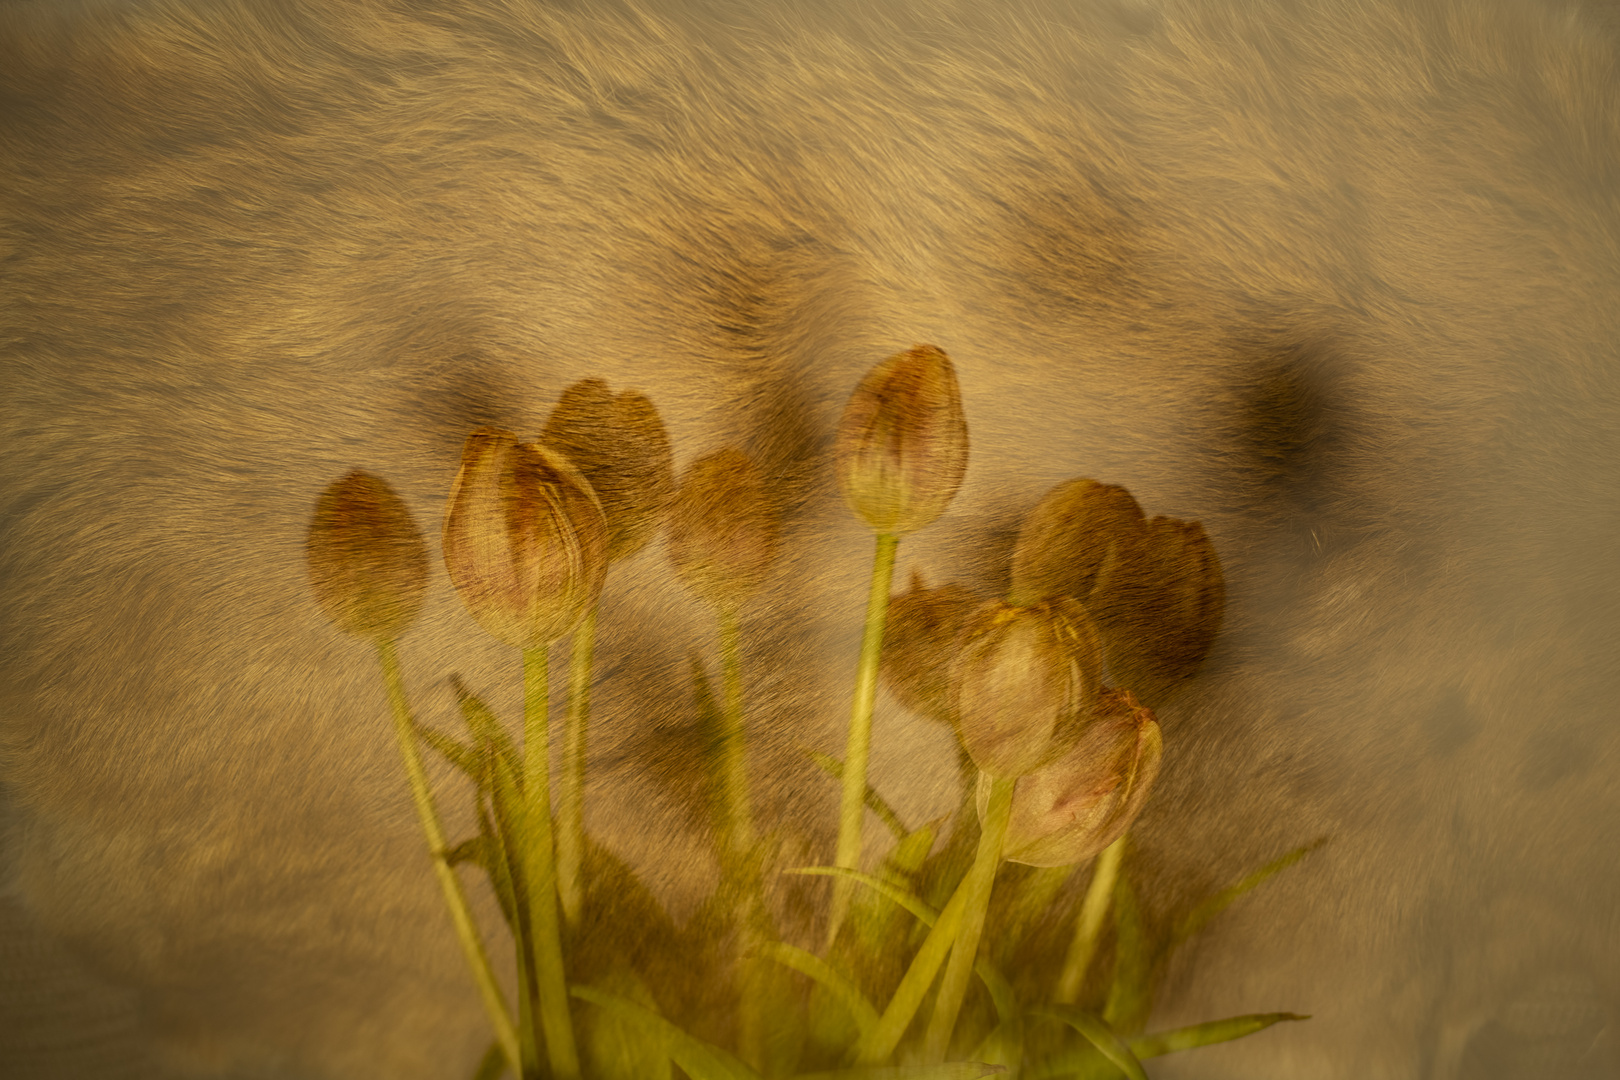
(472, 945)
(974, 889)
(368, 570)
(858, 747)
(571, 797)
(541, 871)
(525, 544)
(734, 758)
(618, 444)
(723, 534)
(1088, 926)
(978, 884)
(901, 453)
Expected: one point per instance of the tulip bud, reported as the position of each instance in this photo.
(1023, 681)
(1064, 543)
(367, 562)
(902, 445)
(618, 444)
(722, 530)
(1073, 807)
(1164, 606)
(524, 539)
(919, 641)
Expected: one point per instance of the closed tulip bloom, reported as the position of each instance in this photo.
(919, 642)
(524, 539)
(367, 562)
(1165, 607)
(1071, 808)
(902, 445)
(1065, 543)
(1023, 681)
(722, 530)
(618, 444)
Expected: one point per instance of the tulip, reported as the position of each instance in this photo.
(1065, 544)
(919, 640)
(1076, 805)
(367, 562)
(901, 452)
(618, 444)
(1165, 607)
(1154, 588)
(722, 530)
(902, 445)
(368, 566)
(723, 535)
(524, 539)
(1024, 680)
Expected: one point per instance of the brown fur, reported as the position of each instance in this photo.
(1337, 280)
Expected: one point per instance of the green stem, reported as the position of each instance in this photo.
(527, 1046)
(540, 862)
(851, 808)
(875, 1047)
(1034, 898)
(733, 741)
(1088, 927)
(571, 804)
(978, 884)
(739, 841)
(750, 992)
(466, 931)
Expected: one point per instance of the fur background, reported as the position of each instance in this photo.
(1338, 279)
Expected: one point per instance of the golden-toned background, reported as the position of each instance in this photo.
(1338, 280)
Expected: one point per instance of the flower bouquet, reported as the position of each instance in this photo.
(1007, 939)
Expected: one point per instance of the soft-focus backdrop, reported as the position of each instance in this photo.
(1340, 280)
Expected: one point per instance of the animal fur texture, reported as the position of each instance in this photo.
(1337, 279)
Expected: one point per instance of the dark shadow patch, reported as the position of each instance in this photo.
(1287, 431)
(463, 392)
(1288, 454)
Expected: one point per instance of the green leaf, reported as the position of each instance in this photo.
(1079, 1063)
(492, 1066)
(951, 1070)
(1088, 1062)
(504, 786)
(845, 992)
(1206, 1034)
(505, 863)
(908, 900)
(1201, 915)
(1004, 1045)
(874, 802)
(613, 1044)
(909, 854)
(1130, 995)
(701, 1060)
(1100, 1035)
(486, 727)
(1001, 992)
(877, 928)
(497, 867)
(457, 753)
